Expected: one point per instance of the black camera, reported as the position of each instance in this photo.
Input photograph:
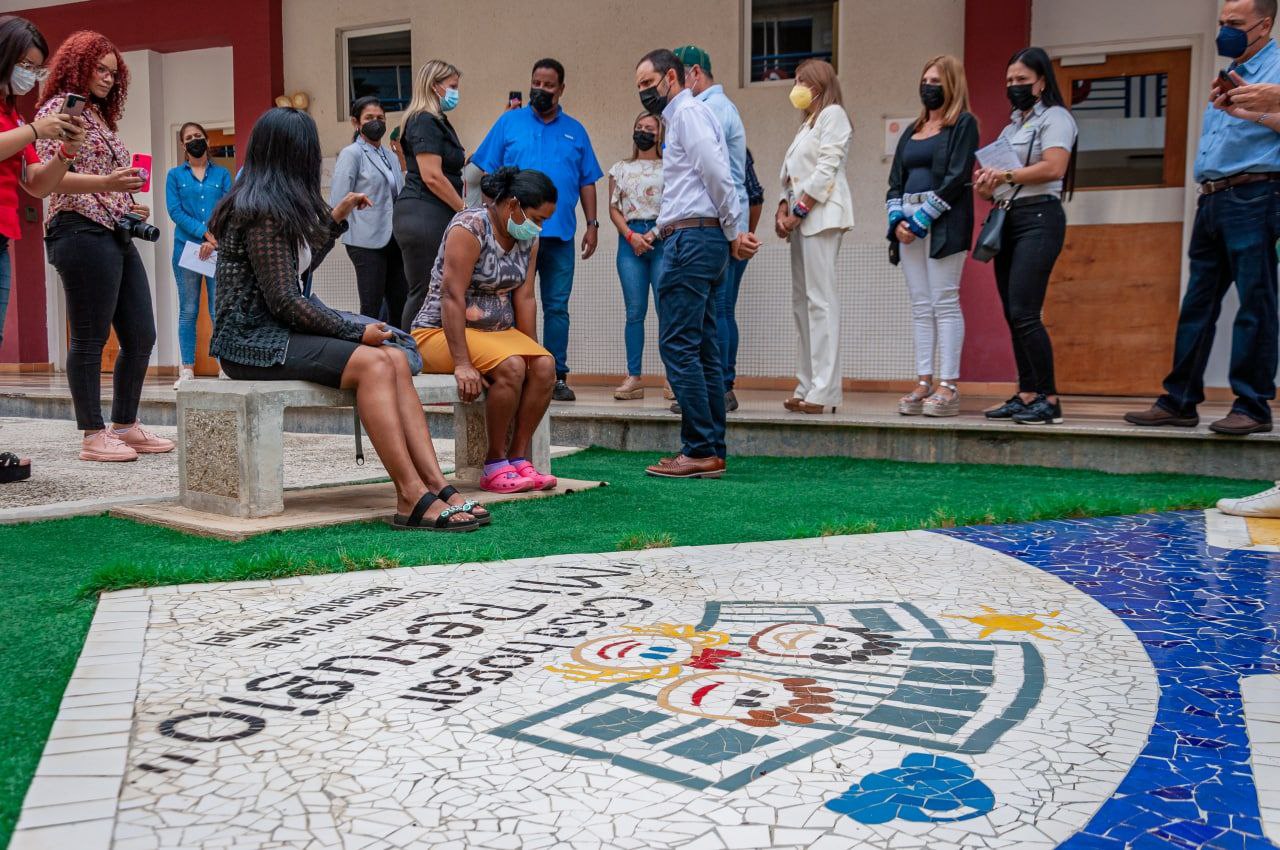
(131, 226)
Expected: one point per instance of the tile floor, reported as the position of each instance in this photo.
(1105, 683)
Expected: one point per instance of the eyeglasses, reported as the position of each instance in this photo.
(39, 72)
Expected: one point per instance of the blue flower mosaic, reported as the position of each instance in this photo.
(926, 788)
(1206, 617)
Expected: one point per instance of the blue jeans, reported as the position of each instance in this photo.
(727, 322)
(638, 276)
(1233, 240)
(189, 307)
(555, 283)
(4, 287)
(694, 264)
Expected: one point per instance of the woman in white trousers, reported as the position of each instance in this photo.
(930, 205)
(815, 210)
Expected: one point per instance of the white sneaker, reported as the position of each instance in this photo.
(185, 375)
(1264, 504)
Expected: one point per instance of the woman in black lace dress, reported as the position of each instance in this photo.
(272, 227)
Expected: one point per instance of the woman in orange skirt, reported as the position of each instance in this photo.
(479, 320)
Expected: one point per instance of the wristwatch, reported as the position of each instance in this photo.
(1008, 177)
(593, 222)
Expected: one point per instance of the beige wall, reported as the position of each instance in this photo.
(599, 42)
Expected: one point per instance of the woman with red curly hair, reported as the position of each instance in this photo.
(102, 275)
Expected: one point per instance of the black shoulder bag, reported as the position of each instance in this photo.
(991, 237)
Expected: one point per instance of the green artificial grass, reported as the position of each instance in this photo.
(51, 572)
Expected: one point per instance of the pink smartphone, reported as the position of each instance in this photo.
(142, 162)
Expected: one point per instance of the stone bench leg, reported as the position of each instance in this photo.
(471, 442)
(230, 454)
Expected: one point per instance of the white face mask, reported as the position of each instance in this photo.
(23, 80)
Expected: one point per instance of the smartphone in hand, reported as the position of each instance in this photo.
(73, 105)
(142, 162)
(515, 99)
(1223, 84)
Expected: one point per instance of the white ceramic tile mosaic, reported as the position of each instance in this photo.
(886, 691)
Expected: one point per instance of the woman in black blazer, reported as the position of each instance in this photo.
(930, 203)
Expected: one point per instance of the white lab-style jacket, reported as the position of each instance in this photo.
(815, 166)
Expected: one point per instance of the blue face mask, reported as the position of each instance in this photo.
(449, 100)
(524, 231)
(1232, 42)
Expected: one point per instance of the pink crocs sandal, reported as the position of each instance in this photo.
(505, 480)
(540, 481)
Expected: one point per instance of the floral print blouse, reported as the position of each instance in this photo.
(497, 274)
(637, 188)
(101, 154)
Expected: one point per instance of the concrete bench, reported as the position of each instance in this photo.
(231, 447)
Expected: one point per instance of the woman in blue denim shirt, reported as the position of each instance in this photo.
(635, 195)
(192, 190)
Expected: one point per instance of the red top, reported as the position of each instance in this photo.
(10, 172)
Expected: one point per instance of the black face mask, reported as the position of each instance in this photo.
(644, 139)
(653, 102)
(540, 100)
(197, 147)
(1022, 97)
(932, 96)
(373, 130)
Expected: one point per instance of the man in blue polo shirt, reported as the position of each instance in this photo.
(541, 136)
(1233, 240)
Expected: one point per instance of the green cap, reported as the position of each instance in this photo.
(692, 54)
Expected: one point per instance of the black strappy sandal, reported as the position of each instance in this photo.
(471, 506)
(415, 521)
(13, 468)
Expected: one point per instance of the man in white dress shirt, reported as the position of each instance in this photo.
(698, 222)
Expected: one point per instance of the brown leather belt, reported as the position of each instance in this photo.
(1209, 187)
(685, 223)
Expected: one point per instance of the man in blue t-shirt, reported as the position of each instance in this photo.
(541, 136)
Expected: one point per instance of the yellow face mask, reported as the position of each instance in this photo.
(801, 96)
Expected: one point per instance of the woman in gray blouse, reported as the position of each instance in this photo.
(365, 166)
(1042, 134)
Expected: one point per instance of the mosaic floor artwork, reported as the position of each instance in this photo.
(1068, 684)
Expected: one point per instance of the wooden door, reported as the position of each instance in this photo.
(1113, 300)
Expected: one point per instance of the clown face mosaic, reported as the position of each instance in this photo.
(888, 691)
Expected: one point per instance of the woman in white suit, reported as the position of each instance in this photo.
(815, 210)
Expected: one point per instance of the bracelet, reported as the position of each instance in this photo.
(63, 155)
(34, 133)
(1262, 119)
(800, 210)
(630, 233)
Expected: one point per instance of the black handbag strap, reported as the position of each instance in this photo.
(1025, 163)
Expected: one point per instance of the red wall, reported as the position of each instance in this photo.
(251, 28)
(993, 31)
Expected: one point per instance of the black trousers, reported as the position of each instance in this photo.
(419, 227)
(379, 277)
(106, 287)
(1033, 237)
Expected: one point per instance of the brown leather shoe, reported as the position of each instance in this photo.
(1157, 415)
(688, 467)
(1238, 424)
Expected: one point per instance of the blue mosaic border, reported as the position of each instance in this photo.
(1206, 617)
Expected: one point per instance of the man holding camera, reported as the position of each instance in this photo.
(1233, 239)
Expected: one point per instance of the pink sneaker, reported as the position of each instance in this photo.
(505, 480)
(144, 442)
(540, 481)
(105, 447)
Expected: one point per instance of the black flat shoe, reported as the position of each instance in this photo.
(1040, 412)
(562, 392)
(417, 520)
(470, 506)
(1008, 409)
